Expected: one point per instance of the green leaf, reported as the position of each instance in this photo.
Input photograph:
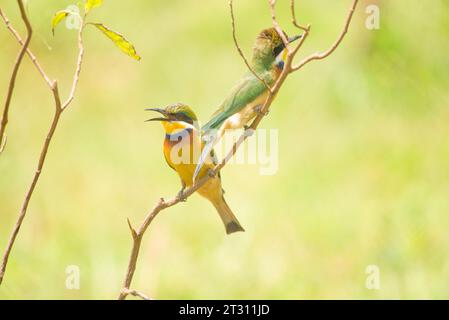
(92, 4)
(119, 40)
(57, 18)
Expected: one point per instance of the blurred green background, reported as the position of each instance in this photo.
(363, 157)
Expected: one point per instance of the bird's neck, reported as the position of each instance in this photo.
(279, 62)
(175, 127)
(259, 64)
(181, 146)
(263, 63)
(178, 132)
(269, 73)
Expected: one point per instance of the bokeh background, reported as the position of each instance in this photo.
(363, 156)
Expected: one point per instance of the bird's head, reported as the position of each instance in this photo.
(175, 117)
(269, 46)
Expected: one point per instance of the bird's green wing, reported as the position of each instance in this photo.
(246, 90)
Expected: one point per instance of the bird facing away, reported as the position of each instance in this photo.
(182, 146)
(246, 98)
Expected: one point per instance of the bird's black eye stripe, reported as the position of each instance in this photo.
(182, 117)
(278, 49)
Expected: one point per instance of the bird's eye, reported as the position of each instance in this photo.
(183, 117)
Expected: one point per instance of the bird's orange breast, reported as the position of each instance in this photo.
(182, 150)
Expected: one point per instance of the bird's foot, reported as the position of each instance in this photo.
(248, 131)
(259, 111)
(211, 173)
(180, 196)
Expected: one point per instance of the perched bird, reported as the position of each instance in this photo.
(182, 147)
(249, 94)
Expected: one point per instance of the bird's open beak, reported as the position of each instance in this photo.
(161, 111)
(294, 38)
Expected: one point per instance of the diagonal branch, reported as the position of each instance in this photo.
(78, 66)
(3, 145)
(34, 181)
(12, 81)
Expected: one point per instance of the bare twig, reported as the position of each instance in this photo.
(325, 54)
(240, 50)
(295, 23)
(78, 66)
(59, 109)
(2, 146)
(272, 4)
(136, 293)
(37, 173)
(12, 81)
(28, 51)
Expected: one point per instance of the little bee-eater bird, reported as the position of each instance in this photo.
(248, 95)
(182, 147)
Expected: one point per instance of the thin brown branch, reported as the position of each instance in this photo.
(137, 294)
(28, 51)
(78, 66)
(299, 45)
(325, 54)
(272, 4)
(162, 204)
(294, 22)
(59, 109)
(12, 81)
(234, 36)
(2, 146)
(34, 181)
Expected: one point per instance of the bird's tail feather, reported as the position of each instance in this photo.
(227, 216)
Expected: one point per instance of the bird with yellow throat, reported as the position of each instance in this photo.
(182, 148)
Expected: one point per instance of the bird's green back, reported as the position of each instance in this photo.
(245, 91)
